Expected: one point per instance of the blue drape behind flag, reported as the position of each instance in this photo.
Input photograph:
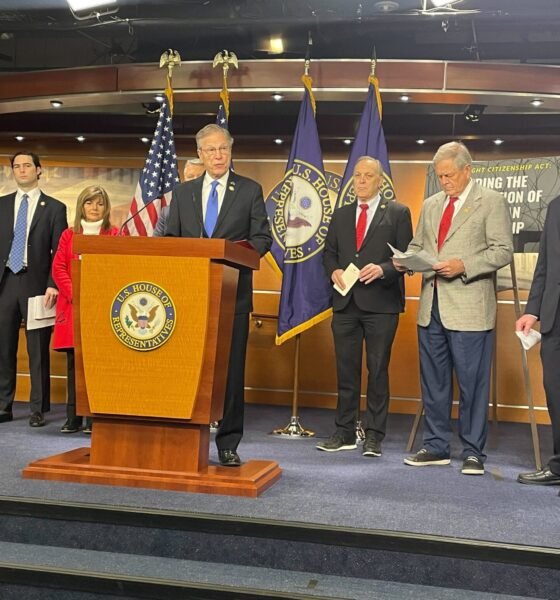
(300, 214)
(369, 141)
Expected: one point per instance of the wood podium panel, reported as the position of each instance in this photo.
(108, 383)
(153, 402)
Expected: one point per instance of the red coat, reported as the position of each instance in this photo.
(61, 270)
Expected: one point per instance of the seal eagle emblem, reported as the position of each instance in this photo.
(143, 316)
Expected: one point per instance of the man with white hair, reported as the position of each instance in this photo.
(359, 234)
(468, 229)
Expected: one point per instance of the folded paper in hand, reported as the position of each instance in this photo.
(419, 261)
(38, 315)
(350, 276)
(529, 340)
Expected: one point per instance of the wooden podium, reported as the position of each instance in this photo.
(153, 321)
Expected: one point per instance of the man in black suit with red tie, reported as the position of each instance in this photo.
(30, 224)
(359, 234)
(544, 305)
(223, 204)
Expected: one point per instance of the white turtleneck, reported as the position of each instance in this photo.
(91, 227)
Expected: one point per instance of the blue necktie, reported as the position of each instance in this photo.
(15, 260)
(212, 209)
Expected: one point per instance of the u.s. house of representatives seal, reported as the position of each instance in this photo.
(143, 316)
(301, 210)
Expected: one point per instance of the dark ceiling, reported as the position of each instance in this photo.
(44, 34)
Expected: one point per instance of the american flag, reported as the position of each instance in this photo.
(159, 177)
(222, 116)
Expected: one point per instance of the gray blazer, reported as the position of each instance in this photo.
(481, 236)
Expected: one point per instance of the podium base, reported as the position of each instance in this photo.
(249, 480)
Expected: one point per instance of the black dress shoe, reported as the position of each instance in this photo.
(543, 477)
(36, 420)
(72, 425)
(6, 416)
(229, 458)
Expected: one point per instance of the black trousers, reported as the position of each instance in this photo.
(14, 293)
(550, 356)
(351, 327)
(230, 431)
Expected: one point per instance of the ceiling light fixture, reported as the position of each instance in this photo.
(159, 98)
(277, 97)
(440, 3)
(276, 45)
(445, 7)
(19, 138)
(537, 102)
(420, 141)
(347, 141)
(89, 9)
(386, 6)
(405, 97)
(144, 139)
(498, 141)
(278, 141)
(473, 113)
(81, 139)
(57, 103)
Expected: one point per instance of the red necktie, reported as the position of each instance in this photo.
(446, 220)
(361, 226)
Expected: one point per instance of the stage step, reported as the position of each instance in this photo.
(120, 552)
(132, 576)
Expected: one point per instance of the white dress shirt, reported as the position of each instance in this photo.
(207, 187)
(373, 204)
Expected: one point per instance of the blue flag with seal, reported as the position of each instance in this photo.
(369, 141)
(300, 211)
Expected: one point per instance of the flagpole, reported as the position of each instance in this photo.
(169, 60)
(226, 59)
(294, 429)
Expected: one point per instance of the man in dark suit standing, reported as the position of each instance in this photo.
(544, 305)
(30, 224)
(359, 234)
(223, 204)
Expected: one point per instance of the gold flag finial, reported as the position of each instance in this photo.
(170, 59)
(226, 59)
(373, 62)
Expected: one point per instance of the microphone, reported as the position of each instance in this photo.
(198, 218)
(136, 213)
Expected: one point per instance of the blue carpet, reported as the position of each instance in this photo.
(343, 489)
(177, 572)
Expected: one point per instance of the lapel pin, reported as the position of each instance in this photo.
(231, 187)
(42, 203)
(383, 206)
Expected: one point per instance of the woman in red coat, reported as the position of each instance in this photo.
(93, 211)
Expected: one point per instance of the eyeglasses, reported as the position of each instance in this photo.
(214, 151)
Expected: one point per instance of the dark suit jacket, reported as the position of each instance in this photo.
(545, 290)
(242, 217)
(391, 224)
(49, 221)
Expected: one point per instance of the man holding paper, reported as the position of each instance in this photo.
(544, 305)
(368, 297)
(30, 224)
(468, 229)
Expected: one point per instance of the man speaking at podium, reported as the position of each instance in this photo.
(222, 204)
